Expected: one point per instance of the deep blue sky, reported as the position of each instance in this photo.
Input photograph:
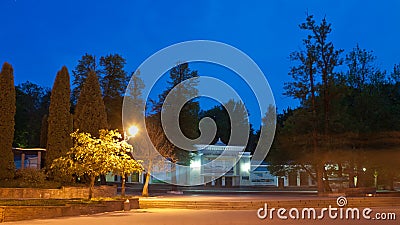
(39, 36)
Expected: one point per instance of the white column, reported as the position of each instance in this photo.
(298, 178)
(22, 160)
(141, 177)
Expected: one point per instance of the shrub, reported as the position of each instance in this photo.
(30, 177)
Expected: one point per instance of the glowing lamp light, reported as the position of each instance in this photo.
(133, 130)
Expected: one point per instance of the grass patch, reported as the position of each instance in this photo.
(17, 183)
(32, 202)
(52, 202)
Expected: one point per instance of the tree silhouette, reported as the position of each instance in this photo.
(86, 64)
(7, 109)
(90, 113)
(59, 120)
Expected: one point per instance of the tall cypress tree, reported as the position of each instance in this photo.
(59, 120)
(90, 112)
(7, 109)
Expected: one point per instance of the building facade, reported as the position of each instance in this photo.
(28, 157)
(210, 163)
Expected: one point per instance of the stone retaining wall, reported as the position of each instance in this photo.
(16, 213)
(62, 193)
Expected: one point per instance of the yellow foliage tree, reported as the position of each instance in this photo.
(93, 157)
(120, 161)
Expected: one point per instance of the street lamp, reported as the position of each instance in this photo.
(132, 131)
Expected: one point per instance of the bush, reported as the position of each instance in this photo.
(30, 178)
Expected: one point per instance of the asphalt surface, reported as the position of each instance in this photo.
(234, 197)
(196, 217)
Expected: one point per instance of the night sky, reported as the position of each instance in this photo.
(39, 36)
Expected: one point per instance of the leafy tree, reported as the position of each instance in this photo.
(292, 143)
(370, 106)
(188, 115)
(93, 157)
(279, 156)
(360, 67)
(114, 77)
(144, 149)
(59, 120)
(364, 81)
(221, 118)
(343, 117)
(86, 64)
(135, 89)
(44, 131)
(119, 159)
(313, 79)
(7, 109)
(225, 123)
(90, 114)
(239, 120)
(304, 88)
(135, 103)
(328, 58)
(113, 83)
(395, 75)
(133, 99)
(32, 104)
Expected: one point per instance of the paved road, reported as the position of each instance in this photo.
(236, 198)
(194, 217)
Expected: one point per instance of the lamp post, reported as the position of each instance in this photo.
(132, 131)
